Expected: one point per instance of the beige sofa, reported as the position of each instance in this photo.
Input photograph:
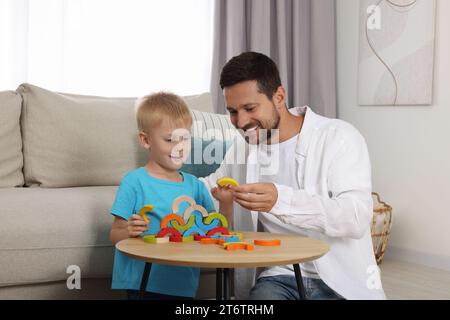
(62, 157)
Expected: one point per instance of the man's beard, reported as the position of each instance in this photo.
(275, 124)
(265, 132)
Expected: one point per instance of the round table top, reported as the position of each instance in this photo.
(293, 249)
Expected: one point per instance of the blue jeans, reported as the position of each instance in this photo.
(284, 287)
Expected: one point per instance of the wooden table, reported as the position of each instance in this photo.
(293, 250)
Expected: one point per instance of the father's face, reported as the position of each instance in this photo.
(251, 110)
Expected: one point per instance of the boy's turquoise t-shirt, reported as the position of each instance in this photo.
(139, 188)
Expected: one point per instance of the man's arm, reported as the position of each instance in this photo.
(346, 212)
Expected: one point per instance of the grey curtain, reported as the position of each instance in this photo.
(299, 35)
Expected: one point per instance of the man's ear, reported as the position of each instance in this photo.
(279, 98)
(144, 140)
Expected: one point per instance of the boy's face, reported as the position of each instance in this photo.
(169, 144)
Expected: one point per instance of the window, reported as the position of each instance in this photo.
(107, 47)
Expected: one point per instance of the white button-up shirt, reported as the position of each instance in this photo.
(335, 204)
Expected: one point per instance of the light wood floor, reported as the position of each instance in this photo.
(405, 281)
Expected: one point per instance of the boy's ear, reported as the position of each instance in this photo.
(144, 140)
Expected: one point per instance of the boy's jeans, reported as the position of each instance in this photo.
(284, 287)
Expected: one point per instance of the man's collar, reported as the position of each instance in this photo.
(309, 124)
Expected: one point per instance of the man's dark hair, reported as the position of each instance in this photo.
(252, 66)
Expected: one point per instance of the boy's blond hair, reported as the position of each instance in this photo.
(154, 108)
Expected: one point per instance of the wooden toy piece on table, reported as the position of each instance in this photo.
(268, 242)
(229, 238)
(198, 237)
(181, 239)
(209, 240)
(216, 230)
(220, 239)
(238, 234)
(231, 246)
(153, 239)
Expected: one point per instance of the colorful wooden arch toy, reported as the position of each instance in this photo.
(144, 210)
(227, 181)
(199, 222)
(216, 215)
(173, 216)
(193, 208)
(221, 230)
(199, 237)
(177, 201)
(194, 230)
(165, 231)
(184, 226)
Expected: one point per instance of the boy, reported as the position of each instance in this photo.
(164, 123)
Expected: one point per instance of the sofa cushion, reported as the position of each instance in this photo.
(73, 140)
(200, 102)
(11, 159)
(46, 230)
(209, 126)
(43, 231)
(206, 156)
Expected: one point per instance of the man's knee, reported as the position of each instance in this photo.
(268, 288)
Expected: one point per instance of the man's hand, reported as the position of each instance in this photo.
(256, 196)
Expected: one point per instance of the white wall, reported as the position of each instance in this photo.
(409, 146)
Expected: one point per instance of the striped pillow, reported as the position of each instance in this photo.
(212, 126)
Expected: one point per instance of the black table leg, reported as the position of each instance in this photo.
(298, 277)
(226, 284)
(144, 280)
(219, 281)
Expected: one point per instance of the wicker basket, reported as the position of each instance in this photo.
(381, 226)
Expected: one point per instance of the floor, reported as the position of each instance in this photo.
(405, 281)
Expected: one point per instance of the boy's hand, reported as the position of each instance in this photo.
(223, 194)
(136, 226)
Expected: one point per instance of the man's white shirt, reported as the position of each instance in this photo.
(324, 192)
(271, 157)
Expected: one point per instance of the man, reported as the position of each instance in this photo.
(309, 175)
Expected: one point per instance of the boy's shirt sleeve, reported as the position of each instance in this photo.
(204, 197)
(125, 201)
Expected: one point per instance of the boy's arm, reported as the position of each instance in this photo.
(119, 230)
(226, 208)
(126, 224)
(225, 197)
(122, 229)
